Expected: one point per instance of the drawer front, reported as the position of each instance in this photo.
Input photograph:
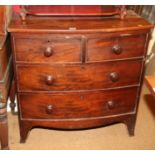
(47, 48)
(77, 105)
(100, 49)
(78, 77)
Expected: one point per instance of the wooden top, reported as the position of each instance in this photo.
(150, 82)
(73, 24)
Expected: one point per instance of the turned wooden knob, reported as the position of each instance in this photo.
(111, 104)
(117, 49)
(49, 109)
(48, 52)
(49, 80)
(114, 77)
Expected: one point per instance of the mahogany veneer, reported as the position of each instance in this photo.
(78, 73)
(78, 77)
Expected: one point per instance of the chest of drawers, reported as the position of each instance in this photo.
(78, 73)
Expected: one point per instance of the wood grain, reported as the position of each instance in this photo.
(100, 49)
(76, 105)
(64, 49)
(78, 25)
(78, 77)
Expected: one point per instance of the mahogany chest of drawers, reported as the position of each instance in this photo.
(78, 73)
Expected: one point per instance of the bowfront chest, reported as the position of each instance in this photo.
(78, 73)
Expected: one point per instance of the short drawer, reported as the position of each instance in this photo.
(100, 49)
(77, 105)
(78, 77)
(47, 49)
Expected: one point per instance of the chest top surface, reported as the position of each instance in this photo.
(75, 24)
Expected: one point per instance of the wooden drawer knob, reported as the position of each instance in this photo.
(116, 49)
(48, 52)
(49, 80)
(111, 104)
(114, 77)
(49, 109)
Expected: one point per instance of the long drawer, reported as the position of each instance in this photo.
(78, 104)
(78, 77)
